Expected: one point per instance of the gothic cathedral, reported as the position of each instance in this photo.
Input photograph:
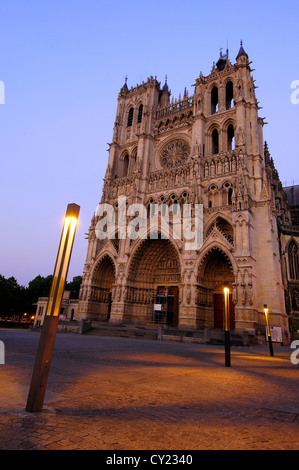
(206, 149)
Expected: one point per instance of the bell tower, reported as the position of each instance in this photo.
(205, 149)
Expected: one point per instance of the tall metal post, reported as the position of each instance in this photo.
(43, 358)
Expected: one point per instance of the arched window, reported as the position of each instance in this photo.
(293, 260)
(151, 208)
(215, 141)
(173, 204)
(229, 196)
(229, 95)
(175, 207)
(214, 100)
(126, 164)
(230, 138)
(130, 117)
(140, 111)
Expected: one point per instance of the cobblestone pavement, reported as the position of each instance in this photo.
(121, 394)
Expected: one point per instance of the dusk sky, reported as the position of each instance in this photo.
(63, 62)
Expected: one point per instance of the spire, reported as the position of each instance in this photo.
(165, 87)
(241, 50)
(125, 87)
(266, 147)
(165, 94)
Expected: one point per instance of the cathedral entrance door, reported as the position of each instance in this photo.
(173, 308)
(170, 300)
(214, 274)
(102, 282)
(153, 279)
(219, 311)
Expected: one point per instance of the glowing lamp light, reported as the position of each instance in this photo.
(62, 262)
(226, 309)
(266, 312)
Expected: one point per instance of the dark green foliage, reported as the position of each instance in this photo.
(15, 300)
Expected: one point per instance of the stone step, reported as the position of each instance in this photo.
(125, 331)
(152, 332)
(202, 335)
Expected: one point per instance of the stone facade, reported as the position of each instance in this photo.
(289, 236)
(68, 310)
(203, 149)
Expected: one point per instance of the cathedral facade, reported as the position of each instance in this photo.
(205, 150)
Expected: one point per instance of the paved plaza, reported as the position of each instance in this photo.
(119, 394)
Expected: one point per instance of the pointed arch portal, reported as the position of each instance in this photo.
(103, 279)
(153, 280)
(215, 272)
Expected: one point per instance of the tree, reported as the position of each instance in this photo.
(74, 287)
(12, 297)
(16, 299)
(38, 287)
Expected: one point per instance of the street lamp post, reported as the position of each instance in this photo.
(47, 338)
(266, 312)
(227, 327)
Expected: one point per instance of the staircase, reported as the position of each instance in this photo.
(157, 332)
(123, 331)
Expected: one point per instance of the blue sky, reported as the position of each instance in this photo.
(63, 63)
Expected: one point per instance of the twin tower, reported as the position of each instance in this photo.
(202, 150)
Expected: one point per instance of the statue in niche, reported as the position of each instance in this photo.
(241, 137)
(118, 293)
(250, 294)
(196, 149)
(240, 89)
(235, 293)
(241, 158)
(188, 296)
(196, 168)
(243, 294)
(233, 164)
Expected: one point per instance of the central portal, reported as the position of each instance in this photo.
(153, 283)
